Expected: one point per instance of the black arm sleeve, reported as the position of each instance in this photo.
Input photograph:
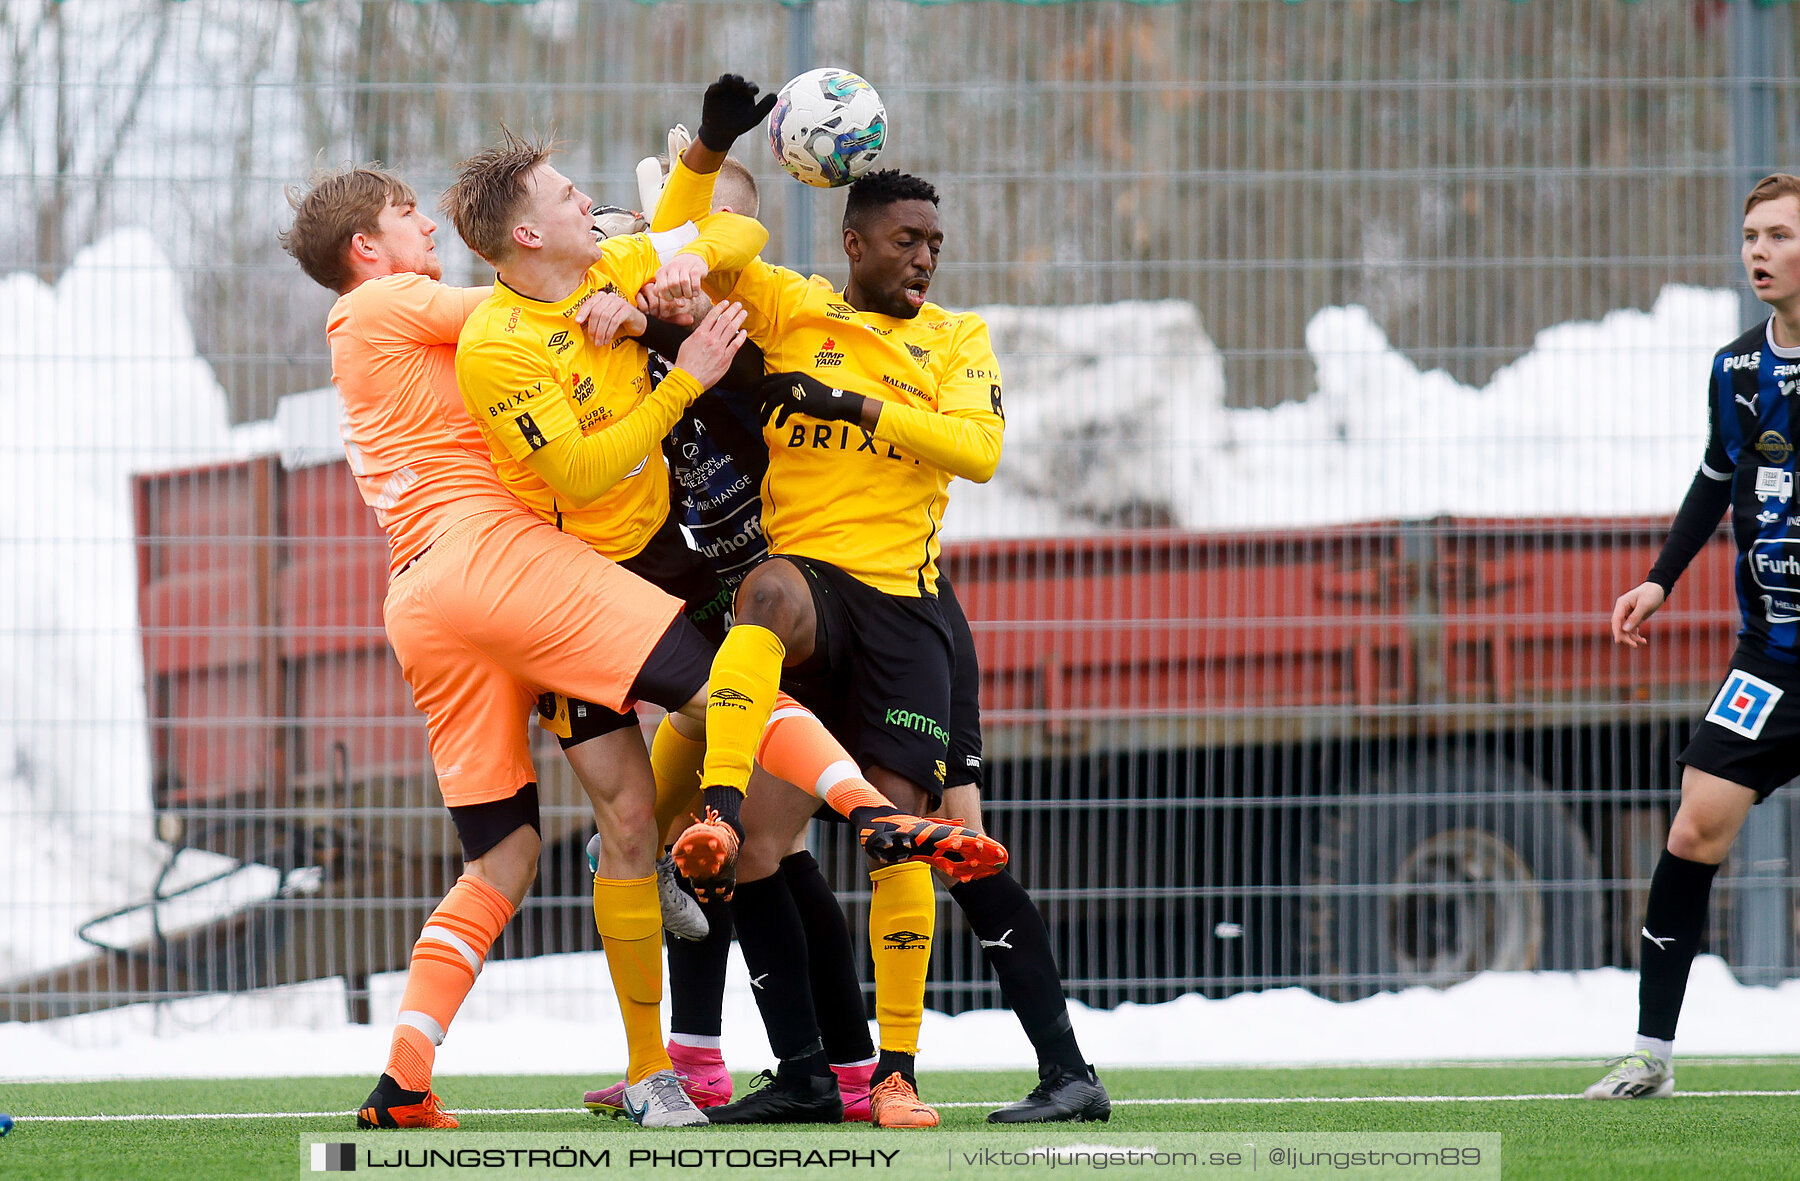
(1706, 502)
(746, 370)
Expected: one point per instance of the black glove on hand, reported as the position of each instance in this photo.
(788, 394)
(730, 109)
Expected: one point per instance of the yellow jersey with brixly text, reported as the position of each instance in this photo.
(529, 375)
(871, 502)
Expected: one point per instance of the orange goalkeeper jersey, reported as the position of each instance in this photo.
(418, 459)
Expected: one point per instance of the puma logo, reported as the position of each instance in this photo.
(1000, 942)
(1749, 402)
(756, 981)
(1661, 944)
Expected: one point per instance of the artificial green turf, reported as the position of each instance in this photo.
(1690, 1137)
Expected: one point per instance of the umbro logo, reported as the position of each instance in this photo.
(1000, 942)
(906, 940)
(728, 699)
(559, 341)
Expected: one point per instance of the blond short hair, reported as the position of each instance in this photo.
(490, 187)
(734, 186)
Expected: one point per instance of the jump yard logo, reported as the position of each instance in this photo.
(1744, 704)
(334, 1158)
(827, 356)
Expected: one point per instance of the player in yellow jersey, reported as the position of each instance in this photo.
(877, 400)
(546, 397)
(712, 451)
(487, 605)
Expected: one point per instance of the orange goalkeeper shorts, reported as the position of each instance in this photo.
(501, 608)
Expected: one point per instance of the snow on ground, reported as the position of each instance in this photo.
(1111, 409)
(556, 1015)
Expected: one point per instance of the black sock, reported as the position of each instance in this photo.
(1016, 946)
(728, 802)
(837, 993)
(861, 818)
(894, 1062)
(1674, 920)
(774, 946)
(697, 973)
(809, 1062)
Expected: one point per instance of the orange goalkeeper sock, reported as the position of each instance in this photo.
(797, 747)
(746, 675)
(629, 919)
(445, 961)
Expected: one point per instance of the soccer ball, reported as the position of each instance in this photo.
(827, 127)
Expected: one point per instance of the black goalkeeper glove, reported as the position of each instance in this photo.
(730, 109)
(788, 394)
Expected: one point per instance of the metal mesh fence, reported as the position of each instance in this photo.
(1336, 422)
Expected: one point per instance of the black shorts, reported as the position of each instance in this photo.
(1750, 734)
(879, 675)
(482, 826)
(668, 564)
(965, 693)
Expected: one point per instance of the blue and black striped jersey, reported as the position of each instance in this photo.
(1752, 395)
(717, 458)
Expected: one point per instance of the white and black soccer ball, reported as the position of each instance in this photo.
(827, 127)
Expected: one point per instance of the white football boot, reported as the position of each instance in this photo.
(659, 1102)
(681, 915)
(1638, 1075)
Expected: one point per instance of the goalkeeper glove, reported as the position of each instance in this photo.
(729, 109)
(788, 394)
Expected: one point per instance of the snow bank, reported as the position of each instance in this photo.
(557, 1015)
(1120, 409)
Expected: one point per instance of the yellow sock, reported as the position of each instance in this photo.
(904, 907)
(676, 760)
(629, 919)
(746, 674)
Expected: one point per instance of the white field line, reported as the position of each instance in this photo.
(1195, 1102)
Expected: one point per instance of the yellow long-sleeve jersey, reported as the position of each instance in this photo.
(529, 377)
(871, 503)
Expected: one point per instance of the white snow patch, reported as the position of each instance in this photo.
(558, 1014)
